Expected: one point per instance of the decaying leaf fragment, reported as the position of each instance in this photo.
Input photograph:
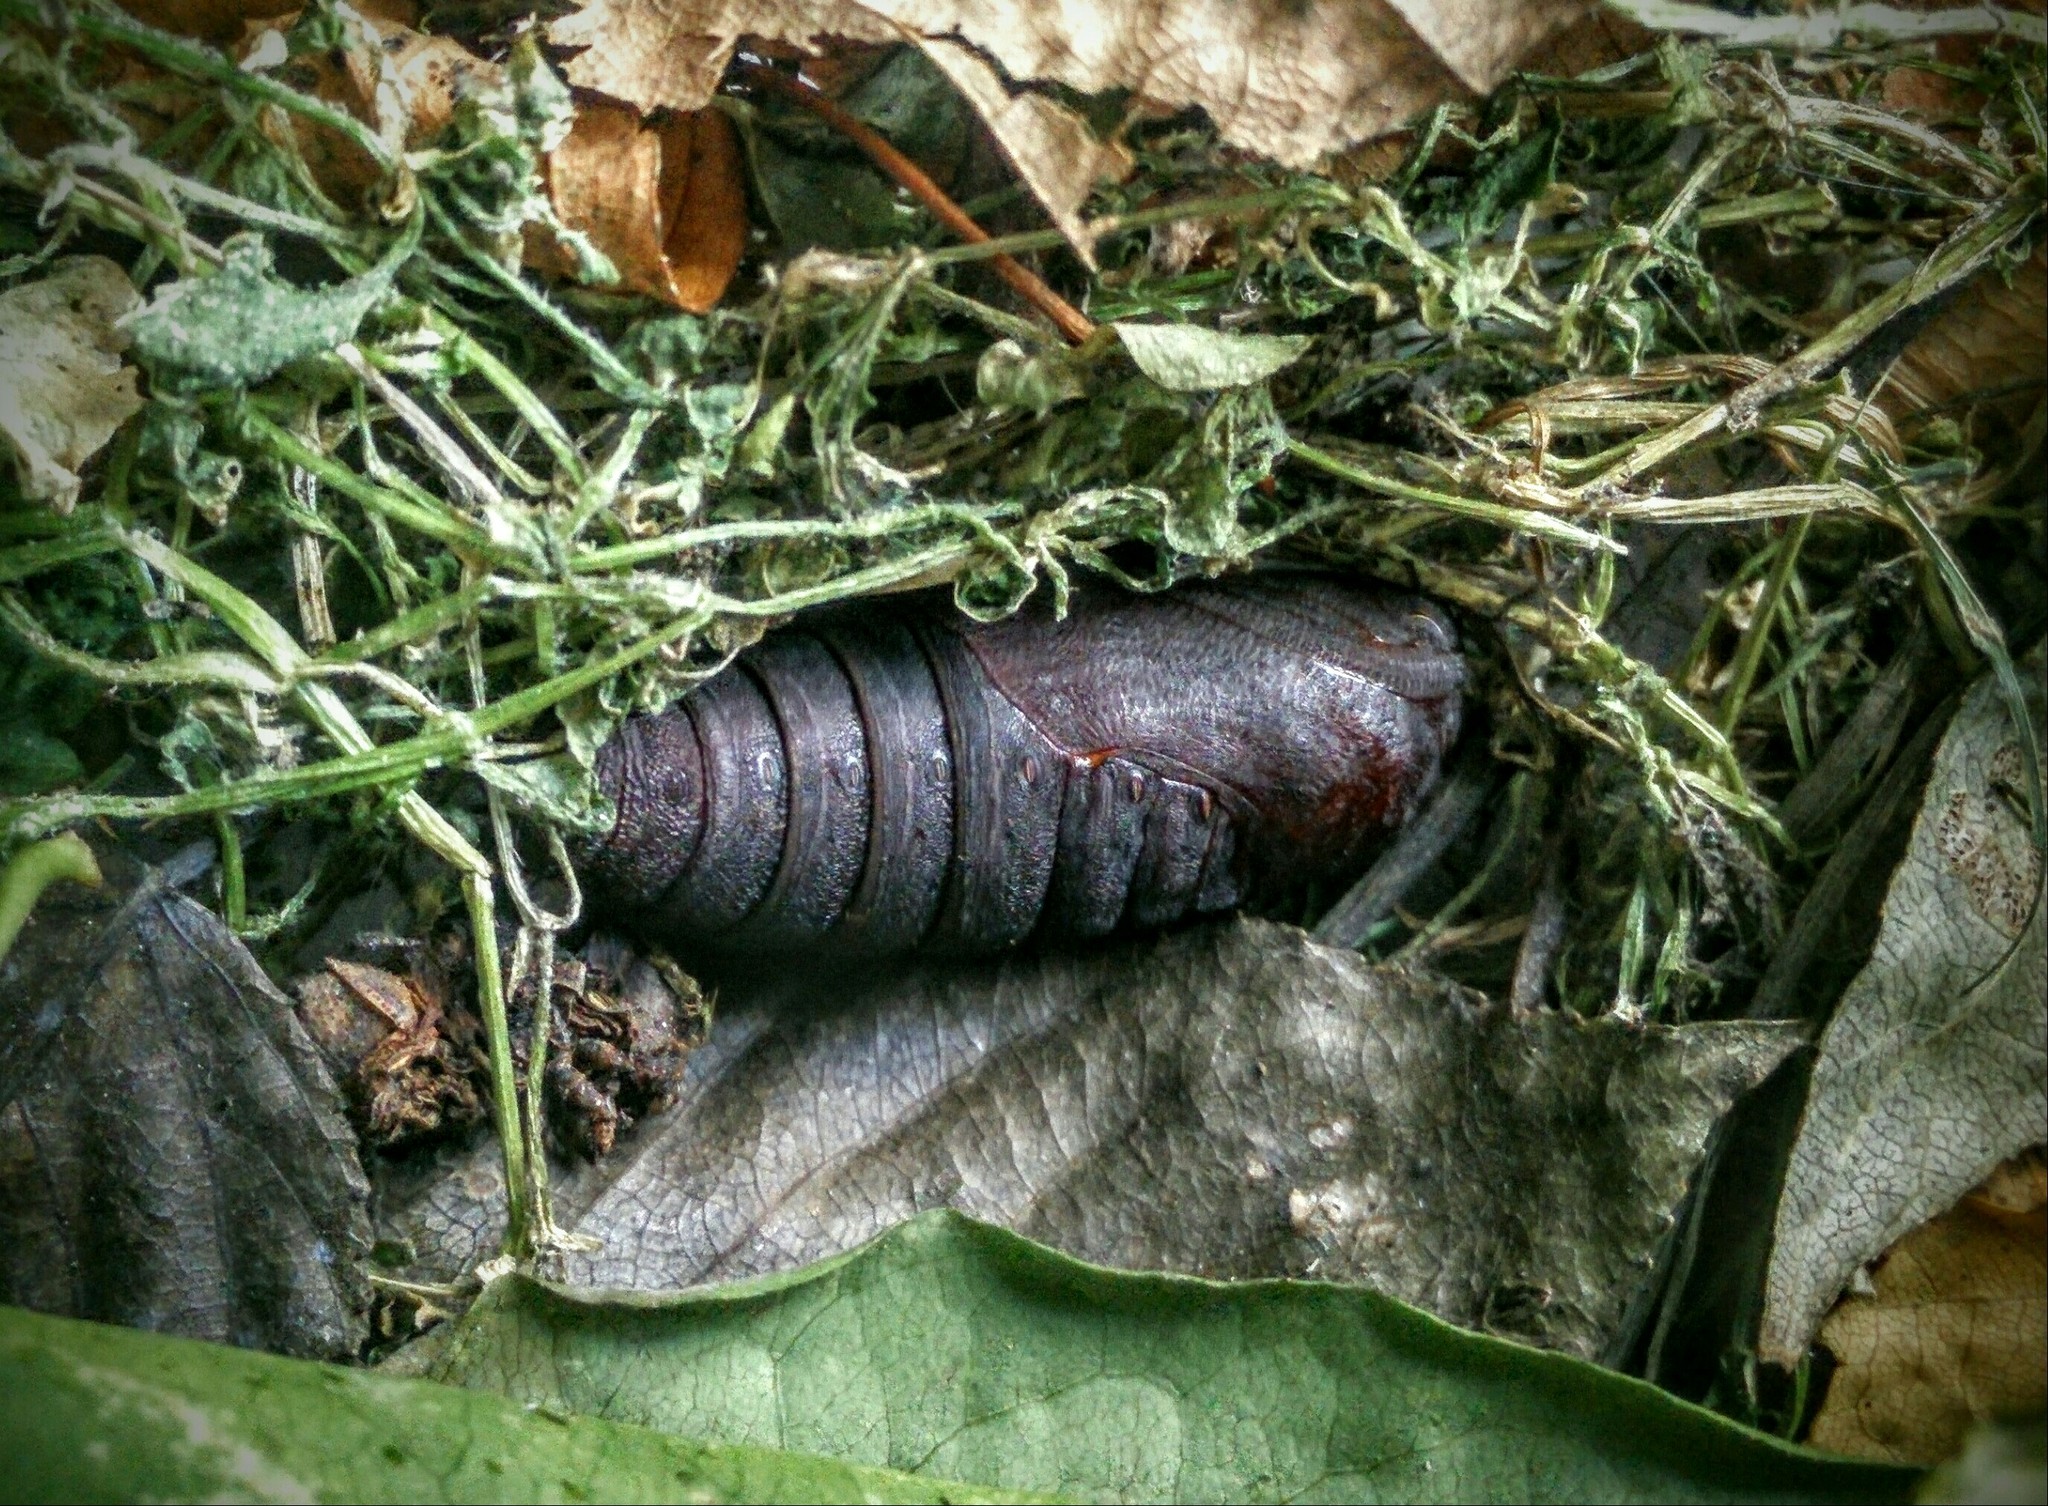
(665, 201)
(172, 1153)
(1934, 1068)
(1953, 1331)
(1189, 358)
(1234, 1101)
(1289, 81)
(1991, 345)
(64, 389)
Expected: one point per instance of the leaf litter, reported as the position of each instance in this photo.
(456, 498)
(1934, 1068)
(1234, 1103)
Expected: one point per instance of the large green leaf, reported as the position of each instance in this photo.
(957, 1348)
(91, 1413)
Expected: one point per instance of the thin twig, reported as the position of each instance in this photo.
(1074, 324)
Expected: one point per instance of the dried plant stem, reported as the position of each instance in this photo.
(1972, 245)
(1072, 323)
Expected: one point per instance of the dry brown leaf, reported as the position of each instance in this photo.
(1289, 81)
(402, 83)
(665, 201)
(1992, 340)
(1956, 1331)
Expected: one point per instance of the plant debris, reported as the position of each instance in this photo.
(1670, 365)
(615, 1052)
(1950, 1329)
(407, 1069)
(68, 390)
(1933, 1069)
(1235, 1102)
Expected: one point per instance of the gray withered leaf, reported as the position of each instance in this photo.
(172, 1151)
(1934, 1068)
(1231, 1101)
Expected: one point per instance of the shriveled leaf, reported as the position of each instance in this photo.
(123, 1416)
(64, 388)
(1934, 1068)
(1235, 1101)
(951, 1347)
(1288, 81)
(1991, 344)
(1954, 1331)
(172, 1155)
(244, 323)
(1189, 358)
(664, 201)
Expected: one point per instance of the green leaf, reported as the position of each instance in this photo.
(243, 323)
(122, 1415)
(1189, 358)
(953, 1347)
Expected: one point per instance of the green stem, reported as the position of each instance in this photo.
(1520, 520)
(196, 60)
(234, 887)
(1749, 653)
(443, 525)
(34, 869)
(490, 987)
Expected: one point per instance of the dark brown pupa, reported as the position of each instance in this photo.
(870, 782)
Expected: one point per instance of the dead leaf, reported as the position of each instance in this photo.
(172, 1154)
(1233, 1101)
(1289, 81)
(664, 201)
(1993, 341)
(1933, 1069)
(406, 1072)
(401, 83)
(64, 389)
(1955, 1331)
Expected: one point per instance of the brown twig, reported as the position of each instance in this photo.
(1072, 323)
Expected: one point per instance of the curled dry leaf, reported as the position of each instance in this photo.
(1990, 345)
(1953, 1332)
(64, 389)
(400, 82)
(665, 200)
(1232, 1101)
(1933, 1069)
(406, 1069)
(1291, 82)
